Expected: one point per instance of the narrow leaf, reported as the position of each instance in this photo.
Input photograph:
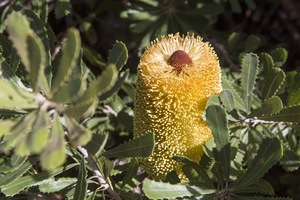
(96, 144)
(217, 121)
(290, 114)
(139, 147)
(269, 107)
(81, 185)
(14, 175)
(270, 151)
(131, 172)
(249, 73)
(261, 187)
(30, 180)
(54, 155)
(78, 134)
(227, 99)
(118, 55)
(70, 54)
(272, 83)
(52, 185)
(160, 190)
(266, 62)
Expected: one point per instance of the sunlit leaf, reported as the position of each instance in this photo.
(54, 154)
(70, 53)
(139, 147)
(160, 190)
(77, 133)
(52, 185)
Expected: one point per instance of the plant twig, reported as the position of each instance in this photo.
(101, 180)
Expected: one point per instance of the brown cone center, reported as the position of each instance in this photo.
(179, 59)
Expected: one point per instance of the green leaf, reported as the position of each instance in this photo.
(272, 83)
(249, 73)
(290, 160)
(12, 98)
(18, 28)
(235, 6)
(14, 175)
(160, 190)
(294, 97)
(252, 43)
(70, 54)
(77, 133)
(238, 102)
(5, 126)
(54, 154)
(37, 139)
(262, 198)
(30, 180)
(131, 172)
(198, 168)
(213, 100)
(270, 151)
(217, 121)
(261, 186)
(227, 100)
(70, 91)
(81, 185)
(52, 185)
(268, 107)
(279, 56)
(267, 63)
(290, 114)
(139, 147)
(81, 110)
(102, 84)
(118, 55)
(97, 143)
(62, 8)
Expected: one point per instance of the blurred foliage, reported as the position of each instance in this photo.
(67, 92)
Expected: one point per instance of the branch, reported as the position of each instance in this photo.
(101, 180)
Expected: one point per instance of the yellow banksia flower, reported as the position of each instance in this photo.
(176, 76)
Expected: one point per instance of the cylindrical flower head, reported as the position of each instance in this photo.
(176, 76)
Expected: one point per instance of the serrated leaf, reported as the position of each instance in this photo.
(77, 133)
(12, 98)
(249, 73)
(227, 100)
(62, 8)
(102, 84)
(199, 169)
(96, 144)
(69, 91)
(262, 198)
(266, 62)
(52, 185)
(217, 121)
(70, 54)
(139, 147)
(18, 28)
(118, 55)
(238, 102)
(54, 154)
(294, 97)
(30, 180)
(37, 139)
(268, 107)
(81, 185)
(279, 56)
(19, 171)
(259, 187)
(272, 83)
(160, 190)
(81, 110)
(270, 151)
(290, 114)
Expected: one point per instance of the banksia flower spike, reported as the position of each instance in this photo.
(176, 77)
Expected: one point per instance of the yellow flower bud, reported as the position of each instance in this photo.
(176, 76)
